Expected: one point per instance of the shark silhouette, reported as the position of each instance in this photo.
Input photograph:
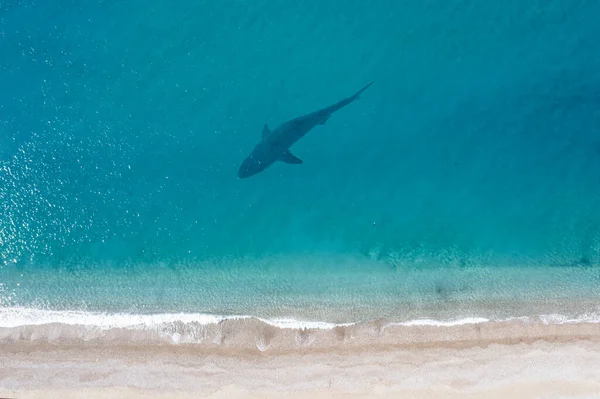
(275, 145)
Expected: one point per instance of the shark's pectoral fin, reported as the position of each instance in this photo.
(266, 131)
(324, 119)
(288, 157)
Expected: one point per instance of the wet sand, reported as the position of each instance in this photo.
(492, 360)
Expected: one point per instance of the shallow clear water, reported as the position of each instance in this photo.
(469, 171)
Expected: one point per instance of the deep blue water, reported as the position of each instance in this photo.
(123, 124)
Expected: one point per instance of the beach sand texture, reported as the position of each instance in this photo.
(488, 360)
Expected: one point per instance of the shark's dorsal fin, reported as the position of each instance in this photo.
(266, 131)
(288, 157)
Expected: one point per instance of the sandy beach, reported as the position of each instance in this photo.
(492, 360)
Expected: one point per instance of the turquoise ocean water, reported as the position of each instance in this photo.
(469, 171)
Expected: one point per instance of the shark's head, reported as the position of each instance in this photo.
(250, 167)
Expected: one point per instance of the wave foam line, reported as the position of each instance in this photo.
(21, 316)
(12, 317)
(440, 323)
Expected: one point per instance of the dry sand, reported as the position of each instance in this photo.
(493, 360)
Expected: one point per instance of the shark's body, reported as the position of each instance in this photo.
(275, 145)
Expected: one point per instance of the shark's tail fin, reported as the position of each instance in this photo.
(331, 109)
(358, 93)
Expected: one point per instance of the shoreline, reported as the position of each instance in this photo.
(252, 335)
(322, 315)
(475, 320)
(551, 360)
(101, 356)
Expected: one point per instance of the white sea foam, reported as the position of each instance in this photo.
(299, 324)
(440, 323)
(12, 317)
(562, 319)
(19, 316)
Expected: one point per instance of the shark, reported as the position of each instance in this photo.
(274, 145)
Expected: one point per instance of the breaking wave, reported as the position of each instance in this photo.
(247, 332)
